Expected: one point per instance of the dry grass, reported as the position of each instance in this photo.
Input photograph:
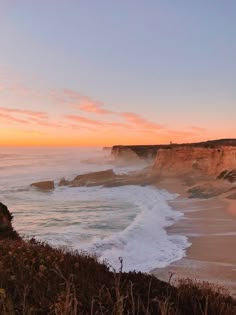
(38, 279)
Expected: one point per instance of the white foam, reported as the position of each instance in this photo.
(144, 244)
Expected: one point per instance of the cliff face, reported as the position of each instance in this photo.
(132, 152)
(136, 152)
(180, 160)
(123, 152)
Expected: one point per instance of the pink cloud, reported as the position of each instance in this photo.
(80, 101)
(38, 114)
(180, 133)
(21, 90)
(25, 116)
(80, 127)
(199, 129)
(18, 88)
(139, 121)
(119, 125)
(47, 123)
(6, 118)
(84, 120)
(72, 94)
(94, 107)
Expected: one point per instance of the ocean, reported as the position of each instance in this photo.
(128, 221)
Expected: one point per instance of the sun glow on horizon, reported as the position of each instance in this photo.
(93, 80)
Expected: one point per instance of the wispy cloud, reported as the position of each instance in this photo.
(38, 114)
(6, 118)
(82, 112)
(21, 90)
(139, 121)
(27, 117)
(84, 120)
(94, 107)
(197, 129)
(79, 101)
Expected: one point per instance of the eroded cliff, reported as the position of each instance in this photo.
(182, 160)
(136, 152)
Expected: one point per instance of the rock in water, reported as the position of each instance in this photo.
(63, 182)
(6, 229)
(94, 176)
(45, 185)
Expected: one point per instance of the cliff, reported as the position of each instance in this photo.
(206, 160)
(136, 152)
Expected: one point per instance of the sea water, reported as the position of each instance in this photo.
(127, 221)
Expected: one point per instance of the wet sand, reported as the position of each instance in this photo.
(210, 225)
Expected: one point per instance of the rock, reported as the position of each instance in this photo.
(45, 185)
(93, 178)
(232, 196)
(96, 175)
(63, 182)
(6, 229)
(228, 175)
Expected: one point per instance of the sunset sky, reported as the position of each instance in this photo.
(89, 72)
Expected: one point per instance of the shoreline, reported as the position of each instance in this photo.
(210, 226)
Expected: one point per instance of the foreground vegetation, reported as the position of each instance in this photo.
(38, 279)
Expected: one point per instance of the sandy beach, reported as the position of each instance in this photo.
(210, 225)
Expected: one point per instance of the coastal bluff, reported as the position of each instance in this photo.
(195, 160)
(211, 158)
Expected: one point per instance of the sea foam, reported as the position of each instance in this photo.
(144, 244)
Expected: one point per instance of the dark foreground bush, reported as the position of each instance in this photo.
(37, 279)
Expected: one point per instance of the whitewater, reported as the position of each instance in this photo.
(127, 221)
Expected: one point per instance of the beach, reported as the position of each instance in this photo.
(210, 225)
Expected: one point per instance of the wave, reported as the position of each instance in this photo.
(144, 244)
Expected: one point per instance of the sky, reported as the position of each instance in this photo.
(89, 72)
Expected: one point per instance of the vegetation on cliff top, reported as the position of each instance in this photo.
(38, 279)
